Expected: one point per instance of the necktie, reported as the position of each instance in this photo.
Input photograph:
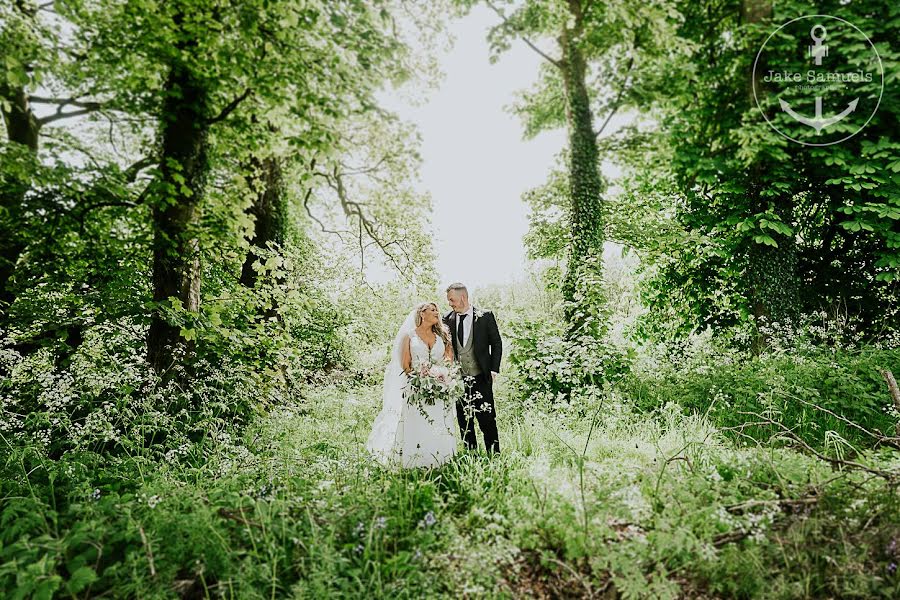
(459, 330)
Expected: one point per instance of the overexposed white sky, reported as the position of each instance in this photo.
(476, 164)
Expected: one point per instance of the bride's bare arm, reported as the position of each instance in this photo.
(406, 356)
(448, 352)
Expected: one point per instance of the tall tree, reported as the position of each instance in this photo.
(584, 268)
(184, 164)
(221, 64)
(587, 75)
(763, 228)
(771, 268)
(21, 46)
(36, 58)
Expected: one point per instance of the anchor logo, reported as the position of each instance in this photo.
(817, 50)
(817, 122)
(845, 78)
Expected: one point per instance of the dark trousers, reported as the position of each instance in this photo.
(473, 408)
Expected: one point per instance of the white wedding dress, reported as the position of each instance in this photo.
(401, 435)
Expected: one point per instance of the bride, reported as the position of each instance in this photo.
(401, 434)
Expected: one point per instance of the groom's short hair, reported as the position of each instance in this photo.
(457, 287)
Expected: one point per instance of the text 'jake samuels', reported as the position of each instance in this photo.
(816, 77)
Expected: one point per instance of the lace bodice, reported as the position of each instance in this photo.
(419, 349)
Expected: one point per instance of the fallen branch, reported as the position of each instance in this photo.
(229, 514)
(741, 506)
(888, 441)
(730, 537)
(148, 550)
(838, 462)
(895, 393)
(578, 576)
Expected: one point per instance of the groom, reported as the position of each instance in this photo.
(477, 347)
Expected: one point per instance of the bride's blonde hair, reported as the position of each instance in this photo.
(438, 328)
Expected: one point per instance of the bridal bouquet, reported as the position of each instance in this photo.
(430, 382)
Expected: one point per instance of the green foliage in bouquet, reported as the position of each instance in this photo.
(433, 381)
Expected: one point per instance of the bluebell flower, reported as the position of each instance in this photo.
(428, 520)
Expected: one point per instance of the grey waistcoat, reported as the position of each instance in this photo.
(466, 355)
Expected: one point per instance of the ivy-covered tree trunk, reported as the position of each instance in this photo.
(771, 271)
(269, 211)
(583, 281)
(22, 128)
(183, 168)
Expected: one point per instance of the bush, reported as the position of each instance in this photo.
(552, 371)
(107, 399)
(786, 389)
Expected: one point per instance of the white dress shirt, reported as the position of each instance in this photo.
(467, 325)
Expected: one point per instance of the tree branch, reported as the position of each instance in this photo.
(350, 170)
(889, 475)
(316, 219)
(618, 100)
(64, 102)
(132, 171)
(229, 108)
(83, 211)
(59, 114)
(555, 62)
(354, 209)
(86, 106)
(888, 441)
(104, 203)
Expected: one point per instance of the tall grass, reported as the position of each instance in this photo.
(614, 503)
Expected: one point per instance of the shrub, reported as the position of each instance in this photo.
(551, 370)
(786, 389)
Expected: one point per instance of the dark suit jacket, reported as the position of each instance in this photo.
(486, 342)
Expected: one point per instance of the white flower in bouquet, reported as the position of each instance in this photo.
(430, 382)
(442, 374)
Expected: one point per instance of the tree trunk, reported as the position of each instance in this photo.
(269, 211)
(582, 287)
(183, 168)
(21, 125)
(895, 394)
(771, 272)
(22, 128)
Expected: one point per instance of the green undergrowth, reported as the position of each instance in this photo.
(612, 504)
(835, 401)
